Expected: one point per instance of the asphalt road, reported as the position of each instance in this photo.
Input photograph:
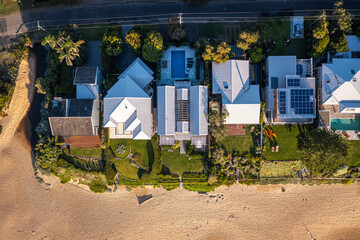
(155, 12)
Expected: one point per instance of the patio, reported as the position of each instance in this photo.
(166, 65)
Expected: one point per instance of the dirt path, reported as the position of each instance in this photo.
(29, 211)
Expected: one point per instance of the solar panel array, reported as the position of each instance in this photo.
(293, 82)
(302, 101)
(282, 102)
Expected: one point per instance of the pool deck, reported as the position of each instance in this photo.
(166, 78)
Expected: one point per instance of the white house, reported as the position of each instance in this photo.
(128, 105)
(242, 100)
(290, 90)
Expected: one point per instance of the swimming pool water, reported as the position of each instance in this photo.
(178, 64)
(345, 124)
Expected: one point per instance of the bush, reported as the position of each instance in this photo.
(121, 149)
(97, 186)
(347, 181)
(320, 45)
(133, 39)
(153, 47)
(255, 55)
(111, 44)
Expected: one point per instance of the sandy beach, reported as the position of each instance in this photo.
(30, 211)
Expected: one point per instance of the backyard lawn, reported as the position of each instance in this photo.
(241, 144)
(143, 147)
(179, 163)
(126, 170)
(86, 152)
(286, 140)
(281, 169)
(354, 152)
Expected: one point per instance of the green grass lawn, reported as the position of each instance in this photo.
(143, 147)
(179, 163)
(286, 140)
(354, 152)
(241, 144)
(93, 32)
(281, 169)
(87, 152)
(277, 30)
(127, 170)
(211, 30)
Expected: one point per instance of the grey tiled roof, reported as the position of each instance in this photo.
(85, 75)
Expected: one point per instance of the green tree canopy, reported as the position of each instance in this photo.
(133, 39)
(343, 17)
(153, 47)
(66, 49)
(176, 32)
(219, 54)
(111, 44)
(322, 151)
(321, 29)
(255, 55)
(339, 42)
(320, 45)
(246, 39)
(217, 128)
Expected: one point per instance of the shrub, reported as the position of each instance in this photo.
(97, 186)
(133, 39)
(121, 149)
(255, 55)
(347, 181)
(212, 179)
(111, 44)
(339, 42)
(219, 54)
(153, 47)
(246, 39)
(320, 45)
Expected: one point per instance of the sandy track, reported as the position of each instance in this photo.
(29, 211)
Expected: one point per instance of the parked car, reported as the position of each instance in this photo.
(297, 30)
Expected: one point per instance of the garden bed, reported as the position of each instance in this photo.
(281, 169)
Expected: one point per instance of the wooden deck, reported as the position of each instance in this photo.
(236, 129)
(83, 141)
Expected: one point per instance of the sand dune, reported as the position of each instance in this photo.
(29, 211)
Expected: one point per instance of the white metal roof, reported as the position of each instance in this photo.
(139, 72)
(126, 87)
(166, 110)
(340, 80)
(198, 110)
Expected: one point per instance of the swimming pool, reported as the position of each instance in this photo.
(178, 64)
(345, 124)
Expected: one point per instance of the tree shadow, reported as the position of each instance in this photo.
(165, 170)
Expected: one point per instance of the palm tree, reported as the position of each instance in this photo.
(67, 49)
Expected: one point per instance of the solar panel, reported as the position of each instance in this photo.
(302, 101)
(294, 82)
(282, 102)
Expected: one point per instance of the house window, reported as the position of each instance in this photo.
(274, 82)
(226, 86)
(352, 71)
(354, 79)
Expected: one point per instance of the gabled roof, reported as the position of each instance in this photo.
(353, 43)
(242, 100)
(230, 79)
(340, 80)
(139, 72)
(198, 110)
(166, 110)
(73, 117)
(126, 87)
(85, 75)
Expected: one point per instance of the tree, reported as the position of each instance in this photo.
(219, 54)
(344, 21)
(47, 152)
(255, 55)
(217, 128)
(212, 179)
(246, 39)
(111, 44)
(176, 32)
(66, 49)
(320, 45)
(41, 86)
(339, 42)
(218, 156)
(322, 151)
(153, 47)
(321, 30)
(133, 39)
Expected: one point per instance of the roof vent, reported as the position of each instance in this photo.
(328, 81)
(354, 79)
(352, 71)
